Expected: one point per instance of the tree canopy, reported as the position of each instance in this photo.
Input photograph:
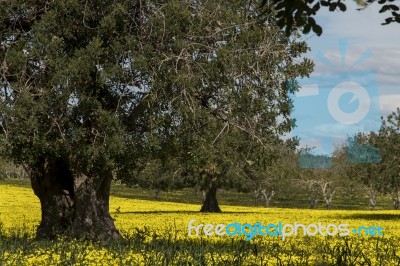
(94, 91)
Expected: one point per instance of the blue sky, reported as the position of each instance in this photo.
(356, 77)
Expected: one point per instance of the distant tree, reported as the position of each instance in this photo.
(321, 181)
(385, 175)
(363, 164)
(159, 176)
(10, 170)
(272, 177)
(231, 158)
(321, 186)
(310, 160)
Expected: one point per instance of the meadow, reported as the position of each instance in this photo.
(156, 233)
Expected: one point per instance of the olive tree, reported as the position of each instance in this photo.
(90, 91)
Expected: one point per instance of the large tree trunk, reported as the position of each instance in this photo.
(53, 184)
(73, 205)
(91, 208)
(210, 203)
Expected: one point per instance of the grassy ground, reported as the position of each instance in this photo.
(233, 198)
(157, 234)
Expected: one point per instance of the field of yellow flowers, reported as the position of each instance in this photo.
(157, 234)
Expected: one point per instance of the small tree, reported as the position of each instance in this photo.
(275, 178)
(323, 182)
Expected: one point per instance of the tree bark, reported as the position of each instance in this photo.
(210, 203)
(203, 196)
(267, 196)
(73, 205)
(313, 202)
(256, 195)
(328, 204)
(91, 208)
(157, 193)
(396, 200)
(52, 183)
(372, 194)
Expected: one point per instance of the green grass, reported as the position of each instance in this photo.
(233, 198)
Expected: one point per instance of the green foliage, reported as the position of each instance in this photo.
(381, 150)
(387, 140)
(139, 88)
(310, 160)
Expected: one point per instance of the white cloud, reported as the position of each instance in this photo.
(361, 26)
(363, 31)
(389, 103)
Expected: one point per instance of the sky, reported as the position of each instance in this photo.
(356, 78)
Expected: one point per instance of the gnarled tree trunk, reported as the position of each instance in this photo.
(71, 204)
(53, 184)
(91, 208)
(210, 203)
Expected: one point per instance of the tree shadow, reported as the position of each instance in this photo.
(371, 216)
(182, 212)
